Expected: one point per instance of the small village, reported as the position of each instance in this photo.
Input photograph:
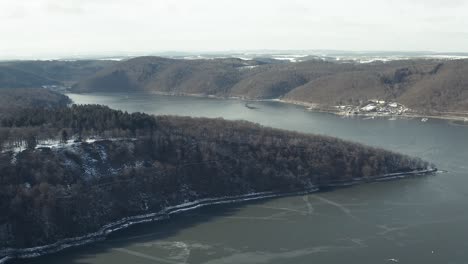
(373, 107)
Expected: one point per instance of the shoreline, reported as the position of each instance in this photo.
(8, 254)
(332, 110)
(454, 116)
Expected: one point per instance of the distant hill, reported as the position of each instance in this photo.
(28, 74)
(28, 98)
(424, 85)
(15, 78)
(215, 76)
(444, 89)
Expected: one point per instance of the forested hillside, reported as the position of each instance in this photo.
(35, 74)
(429, 86)
(13, 99)
(423, 85)
(68, 171)
(14, 78)
(215, 76)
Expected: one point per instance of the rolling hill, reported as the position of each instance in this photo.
(423, 85)
(15, 78)
(34, 74)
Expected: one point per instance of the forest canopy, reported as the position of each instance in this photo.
(67, 171)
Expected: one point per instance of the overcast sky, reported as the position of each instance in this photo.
(59, 27)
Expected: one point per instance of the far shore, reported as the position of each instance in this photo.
(314, 107)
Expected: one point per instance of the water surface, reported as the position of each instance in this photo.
(419, 220)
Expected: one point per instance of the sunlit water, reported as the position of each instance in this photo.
(419, 220)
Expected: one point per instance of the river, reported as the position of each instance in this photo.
(417, 220)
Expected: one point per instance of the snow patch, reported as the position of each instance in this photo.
(368, 108)
(243, 68)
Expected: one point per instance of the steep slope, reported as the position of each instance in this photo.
(340, 88)
(274, 81)
(369, 81)
(444, 89)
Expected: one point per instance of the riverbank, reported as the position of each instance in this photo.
(25, 253)
(452, 116)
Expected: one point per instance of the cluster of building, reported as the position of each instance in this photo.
(375, 108)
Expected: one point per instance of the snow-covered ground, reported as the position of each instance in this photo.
(19, 147)
(292, 56)
(243, 68)
(359, 57)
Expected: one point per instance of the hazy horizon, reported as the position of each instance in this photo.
(53, 28)
(247, 54)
